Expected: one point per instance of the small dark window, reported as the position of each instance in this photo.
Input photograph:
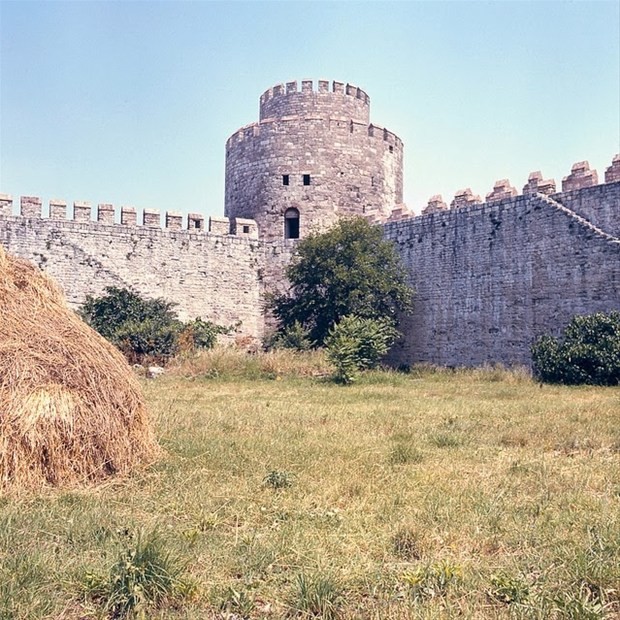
(391, 149)
(246, 230)
(285, 179)
(306, 179)
(196, 223)
(291, 224)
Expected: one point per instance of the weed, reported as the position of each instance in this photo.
(508, 589)
(402, 453)
(278, 479)
(143, 577)
(316, 597)
(580, 606)
(406, 543)
(236, 603)
(432, 580)
(445, 440)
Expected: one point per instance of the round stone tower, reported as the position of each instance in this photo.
(313, 157)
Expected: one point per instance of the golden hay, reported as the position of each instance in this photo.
(71, 409)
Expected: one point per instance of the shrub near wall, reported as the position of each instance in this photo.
(587, 352)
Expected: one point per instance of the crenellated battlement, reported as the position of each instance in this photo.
(315, 97)
(339, 126)
(581, 177)
(31, 207)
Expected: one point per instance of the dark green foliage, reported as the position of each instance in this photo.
(588, 352)
(357, 343)
(203, 334)
(294, 337)
(145, 329)
(350, 269)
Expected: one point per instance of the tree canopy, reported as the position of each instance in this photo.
(348, 270)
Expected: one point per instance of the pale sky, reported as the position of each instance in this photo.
(132, 102)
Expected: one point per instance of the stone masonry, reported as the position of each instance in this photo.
(490, 276)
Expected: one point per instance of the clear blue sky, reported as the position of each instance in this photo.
(132, 102)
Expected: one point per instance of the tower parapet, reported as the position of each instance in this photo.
(285, 100)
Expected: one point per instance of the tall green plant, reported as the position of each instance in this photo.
(357, 343)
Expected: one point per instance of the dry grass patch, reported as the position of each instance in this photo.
(299, 498)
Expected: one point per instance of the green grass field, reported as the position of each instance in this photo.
(473, 494)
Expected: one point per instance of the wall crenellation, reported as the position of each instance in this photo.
(339, 125)
(581, 177)
(308, 86)
(288, 99)
(30, 207)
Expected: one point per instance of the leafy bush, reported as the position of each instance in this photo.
(202, 334)
(588, 352)
(356, 344)
(278, 479)
(145, 329)
(349, 269)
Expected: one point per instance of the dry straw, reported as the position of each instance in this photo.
(71, 410)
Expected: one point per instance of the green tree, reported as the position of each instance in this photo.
(588, 351)
(348, 270)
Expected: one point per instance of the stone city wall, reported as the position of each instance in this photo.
(207, 271)
(491, 277)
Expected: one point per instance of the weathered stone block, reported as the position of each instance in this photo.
(501, 190)
(174, 220)
(195, 221)
(82, 211)
(105, 213)
(57, 209)
(435, 204)
(151, 218)
(537, 185)
(30, 206)
(128, 216)
(613, 172)
(581, 176)
(219, 225)
(6, 204)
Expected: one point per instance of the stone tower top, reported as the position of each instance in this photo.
(342, 101)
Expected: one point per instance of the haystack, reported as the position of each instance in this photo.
(71, 409)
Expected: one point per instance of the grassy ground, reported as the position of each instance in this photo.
(430, 495)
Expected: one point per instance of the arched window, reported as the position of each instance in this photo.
(291, 224)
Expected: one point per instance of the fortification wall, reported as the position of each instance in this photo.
(491, 277)
(314, 152)
(214, 275)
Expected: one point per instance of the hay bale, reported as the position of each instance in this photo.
(71, 409)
